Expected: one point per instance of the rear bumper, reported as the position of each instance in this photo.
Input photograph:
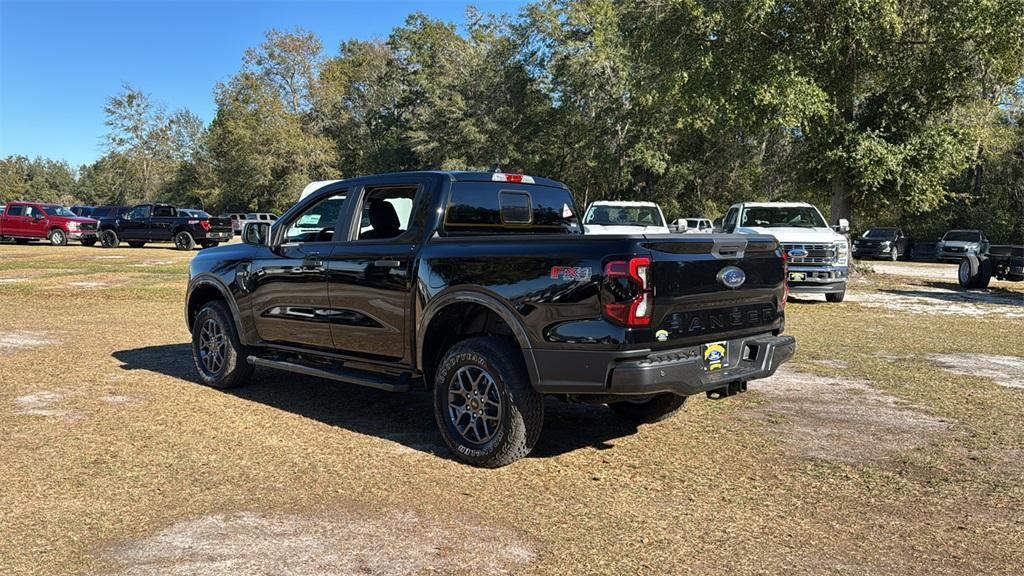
(681, 371)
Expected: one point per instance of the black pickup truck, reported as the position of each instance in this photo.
(482, 287)
(162, 223)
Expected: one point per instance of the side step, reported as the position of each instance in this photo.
(399, 384)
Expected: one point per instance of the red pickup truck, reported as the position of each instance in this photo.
(25, 221)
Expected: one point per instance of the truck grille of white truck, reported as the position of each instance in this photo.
(816, 253)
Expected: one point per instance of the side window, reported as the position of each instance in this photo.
(316, 223)
(163, 211)
(137, 213)
(730, 220)
(386, 212)
(16, 211)
(516, 207)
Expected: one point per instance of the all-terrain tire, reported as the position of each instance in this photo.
(219, 356)
(184, 241)
(109, 239)
(136, 244)
(514, 424)
(835, 297)
(655, 409)
(58, 237)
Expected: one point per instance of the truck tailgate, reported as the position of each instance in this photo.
(220, 224)
(712, 287)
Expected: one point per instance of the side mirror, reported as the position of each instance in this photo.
(843, 226)
(717, 226)
(679, 226)
(256, 234)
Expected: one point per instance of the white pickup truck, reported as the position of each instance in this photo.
(818, 253)
(614, 217)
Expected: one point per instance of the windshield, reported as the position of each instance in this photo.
(782, 217)
(58, 211)
(881, 233)
(962, 236)
(624, 216)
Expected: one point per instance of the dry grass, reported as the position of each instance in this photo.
(116, 462)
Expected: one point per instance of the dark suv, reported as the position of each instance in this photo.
(887, 243)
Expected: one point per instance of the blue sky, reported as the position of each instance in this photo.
(59, 61)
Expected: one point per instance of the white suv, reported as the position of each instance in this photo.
(818, 254)
(609, 217)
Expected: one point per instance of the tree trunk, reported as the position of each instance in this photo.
(841, 205)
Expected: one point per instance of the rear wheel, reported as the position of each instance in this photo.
(220, 357)
(136, 244)
(109, 239)
(58, 237)
(486, 408)
(835, 296)
(649, 410)
(184, 241)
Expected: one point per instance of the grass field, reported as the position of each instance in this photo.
(892, 444)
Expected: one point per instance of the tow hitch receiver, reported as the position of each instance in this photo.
(730, 389)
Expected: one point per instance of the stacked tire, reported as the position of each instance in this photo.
(975, 272)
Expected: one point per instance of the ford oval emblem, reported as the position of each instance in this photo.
(798, 253)
(732, 277)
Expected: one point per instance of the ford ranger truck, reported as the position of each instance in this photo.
(818, 254)
(25, 221)
(481, 288)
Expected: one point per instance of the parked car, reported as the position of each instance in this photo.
(692, 226)
(193, 213)
(1004, 262)
(162, 223)
(957, 244)
(608, 217)
(101, 212)
(236, 219)
(888, 243)
(26, 221)
(84, 211)
(818, 254)
(489, 294)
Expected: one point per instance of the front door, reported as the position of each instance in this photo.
(371, 274)
(134, 224)
(290, 303)
(34, 223)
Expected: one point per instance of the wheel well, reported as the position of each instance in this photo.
(201, 296)
(454, 323)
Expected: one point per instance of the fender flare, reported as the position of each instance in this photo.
(487, 300)
(212, 281)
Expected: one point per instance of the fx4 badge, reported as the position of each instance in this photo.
(570, 273)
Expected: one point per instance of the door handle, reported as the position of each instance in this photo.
(386, 263)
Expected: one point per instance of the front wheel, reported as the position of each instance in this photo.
(648, 410)
(487, 409)
(220, 357)
(58, 237)
(835, 296)
(894, 255)
(109, 239)
(184, 241)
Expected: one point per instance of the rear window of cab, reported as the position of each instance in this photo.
(509, 208)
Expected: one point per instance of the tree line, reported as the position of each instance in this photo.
(882, 111)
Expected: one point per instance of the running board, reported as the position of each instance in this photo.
(358, 377)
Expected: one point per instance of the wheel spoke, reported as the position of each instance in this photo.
(474, 404)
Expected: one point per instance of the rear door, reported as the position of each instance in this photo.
(288, 288)
(162, 223)
(14, 220)
(371, 271)
(693, 300)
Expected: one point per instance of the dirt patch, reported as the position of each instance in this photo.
(11, 280)
(42, 403)
(112, 257)
(926, 271)
(842, 419)
(1007, 371)
(26, 339)
(940, 301)
(399, 543)
(88, 284)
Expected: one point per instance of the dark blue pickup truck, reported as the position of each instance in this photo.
(482, 287)
(146, 223)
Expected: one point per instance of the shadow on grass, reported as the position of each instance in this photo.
(406, 418)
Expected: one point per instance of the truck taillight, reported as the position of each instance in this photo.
(636, 310)
(205, 225)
